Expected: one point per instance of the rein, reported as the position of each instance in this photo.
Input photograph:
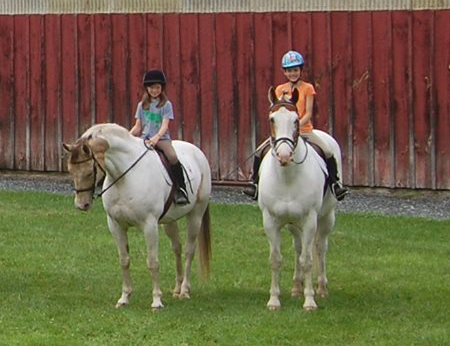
(239, 165)
(306, 153)
(123, 174)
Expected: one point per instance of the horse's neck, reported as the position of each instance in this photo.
(120, 155)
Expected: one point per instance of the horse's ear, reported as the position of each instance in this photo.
(67, 147)
(98, 144)
(272, 96)
(86, 149)
(294, 97)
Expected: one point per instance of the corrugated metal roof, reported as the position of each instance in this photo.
(202, 6)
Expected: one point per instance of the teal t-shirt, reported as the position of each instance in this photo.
(151, 118)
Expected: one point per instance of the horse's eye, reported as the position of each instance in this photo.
(272, 120)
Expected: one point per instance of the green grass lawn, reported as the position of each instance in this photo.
(389, 282)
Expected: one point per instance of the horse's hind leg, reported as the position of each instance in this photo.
(297, 287)
(325, 226)
(194, 220)
(121, 237)
(172, 232)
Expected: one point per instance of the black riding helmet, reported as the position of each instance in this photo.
(154, 76)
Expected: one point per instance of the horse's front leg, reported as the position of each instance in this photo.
(309, 231)
(120, 235)
(172, 232)
(297, 287)
(272, 229)
(151, 235)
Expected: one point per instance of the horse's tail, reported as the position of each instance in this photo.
(204, 243)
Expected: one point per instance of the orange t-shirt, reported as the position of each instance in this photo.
(304, 90)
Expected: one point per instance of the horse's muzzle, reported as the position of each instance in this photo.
(284, 156)
(285, 160)
(83, 204)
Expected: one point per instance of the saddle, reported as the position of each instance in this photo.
(320, 152)
(166, 165)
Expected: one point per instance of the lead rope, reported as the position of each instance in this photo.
(239, 165)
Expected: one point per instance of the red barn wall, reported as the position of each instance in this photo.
(382, 80)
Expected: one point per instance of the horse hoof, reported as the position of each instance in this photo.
(120, 304)
(322, 291)
(309, 308)
(322, 294)
(157, 306)
(184, 295)
(273, 304)
(296, 293)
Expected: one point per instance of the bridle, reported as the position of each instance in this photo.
(292, 143)
(95, 163)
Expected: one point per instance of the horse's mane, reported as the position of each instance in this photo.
(107, 129)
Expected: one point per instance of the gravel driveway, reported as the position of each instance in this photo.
(394, 202)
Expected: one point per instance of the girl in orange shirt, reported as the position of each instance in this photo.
(292, 63)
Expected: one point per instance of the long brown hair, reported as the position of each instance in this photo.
(146, 98)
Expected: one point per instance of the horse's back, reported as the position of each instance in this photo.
(189, 149)
(332, 143)
(189, 153)
(329, 201)
(198, 179)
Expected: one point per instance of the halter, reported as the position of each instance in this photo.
(276, 142)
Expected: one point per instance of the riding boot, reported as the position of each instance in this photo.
(181, 196)
(336, 188)
(252, 189)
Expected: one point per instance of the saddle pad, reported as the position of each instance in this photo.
(321, 161)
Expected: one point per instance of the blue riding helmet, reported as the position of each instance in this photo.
(292, 59)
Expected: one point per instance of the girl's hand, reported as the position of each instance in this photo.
(153, 140)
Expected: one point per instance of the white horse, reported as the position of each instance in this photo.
(135, 193)
(293, 192)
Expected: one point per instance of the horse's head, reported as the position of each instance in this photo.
(284, 126)
(85, 164)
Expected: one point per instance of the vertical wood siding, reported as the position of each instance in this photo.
(382, 80)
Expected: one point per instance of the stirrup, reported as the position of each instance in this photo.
(252, 191)
(181, 197)
(338, 191)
